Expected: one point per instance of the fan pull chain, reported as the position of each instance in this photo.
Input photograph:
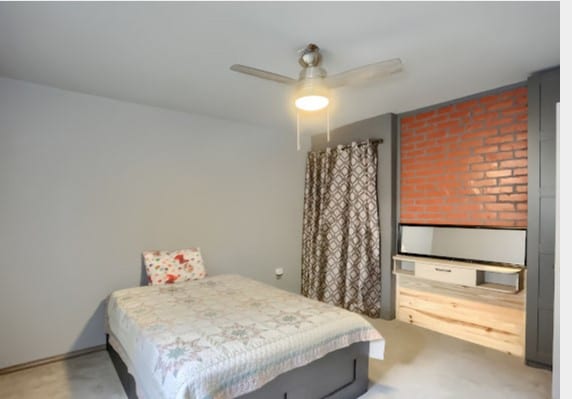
(298, 130)
(328, 123)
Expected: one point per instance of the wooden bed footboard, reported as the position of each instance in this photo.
(342, 374)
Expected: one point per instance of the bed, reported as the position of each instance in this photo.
(229, 336)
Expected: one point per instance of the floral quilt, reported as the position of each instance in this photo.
(222, 336)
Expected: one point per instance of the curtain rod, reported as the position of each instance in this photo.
(343, 146)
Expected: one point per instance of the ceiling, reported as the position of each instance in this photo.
(177, 55)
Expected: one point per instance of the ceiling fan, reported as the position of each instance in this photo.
(314, 83)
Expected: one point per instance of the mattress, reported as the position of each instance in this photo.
(223, 336)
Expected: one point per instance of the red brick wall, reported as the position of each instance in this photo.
(466, 163)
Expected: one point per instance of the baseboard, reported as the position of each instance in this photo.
(51, 359)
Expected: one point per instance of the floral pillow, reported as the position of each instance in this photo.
(169, 267)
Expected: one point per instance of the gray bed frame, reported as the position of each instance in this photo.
(342, 374)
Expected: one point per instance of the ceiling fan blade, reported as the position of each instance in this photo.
(259, 73)
(368, 72)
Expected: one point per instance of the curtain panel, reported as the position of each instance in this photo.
(341, 234)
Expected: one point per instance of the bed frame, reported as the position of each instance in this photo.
(342, 374)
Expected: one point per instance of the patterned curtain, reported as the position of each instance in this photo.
(341, 241)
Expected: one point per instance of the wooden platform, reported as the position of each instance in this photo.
(481, 314)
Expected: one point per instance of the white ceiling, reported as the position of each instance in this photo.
(177, 55)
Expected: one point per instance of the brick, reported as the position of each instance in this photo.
(456, 218)
(501, 105)
(428, 172)
(449, 124)
(513, 215)
(515, 111)
(473, 159)
(438, 208)
(499, 139)
(447, 140)
(412, 124)
(485, 166)
(414, 180)
(418, 136)
(514, 180)
(482, 183)
(482, 198)
(408, 119)
(407, 147)
(521, 136)
(415, 209)
(411, 154)
(521, 101)
(518, 145)
(486, 150)
(521, 154)
(438, 134)
(459, 154)
(513, 197)
(485, 116)
(514, 163)
(469, 207)
(472, 176)
(435, 150)
(431, 216)
(520, 172)
(481, 133)
(426, 129)
(425, 115)
(522, 207)
(500, 207)
(430, 158)
(438, 119)
(469, 144)
(408, 217)
(499, 190)
(493, 98)
(521, 118)
(463, 114)
(516, 127)
(522, 189)
(483, 216)
(499, 156)
(453, 168)
(406, 135)
(446, 110)
(471, 104)
(431, 201)
(520, 91)
(500, 173)
(498, 122)
(506, 94)
(424, 144)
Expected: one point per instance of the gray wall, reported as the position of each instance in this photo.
(562, 252)
(87, 183)
(380, 127)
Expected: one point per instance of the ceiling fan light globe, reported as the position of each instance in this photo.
(312, 95)
(312, 102)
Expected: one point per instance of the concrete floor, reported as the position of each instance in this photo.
(419, 364)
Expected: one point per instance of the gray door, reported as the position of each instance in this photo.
(543, 94)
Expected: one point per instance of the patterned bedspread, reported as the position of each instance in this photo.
(222, 336)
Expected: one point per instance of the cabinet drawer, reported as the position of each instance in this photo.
(446, 274)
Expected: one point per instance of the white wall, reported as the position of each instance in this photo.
(87, 183)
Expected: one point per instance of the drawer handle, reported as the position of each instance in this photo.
(438, 269)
